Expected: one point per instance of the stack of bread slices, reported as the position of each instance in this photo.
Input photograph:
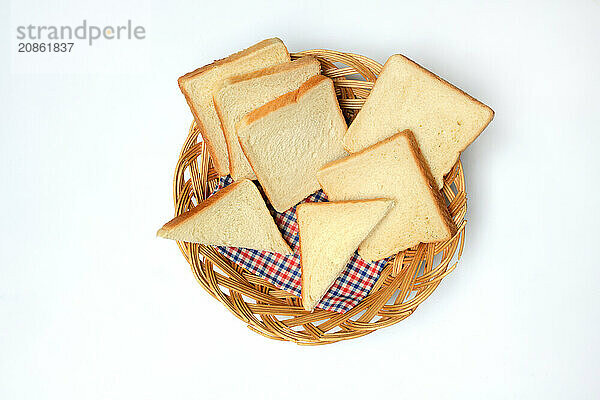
(266, 118)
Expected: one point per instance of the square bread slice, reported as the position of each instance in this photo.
(290, 138)
(199, 86)
(394, 169)
(444, 119)
(235, 216)
(329, 235)
(244, 93)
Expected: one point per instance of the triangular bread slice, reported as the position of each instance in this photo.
(235, 216)
(444, 119)
(329, 235)
(199, 86)
(243, 93)
(288, 139)
(393, 169)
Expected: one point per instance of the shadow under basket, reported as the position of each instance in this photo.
(405, 282)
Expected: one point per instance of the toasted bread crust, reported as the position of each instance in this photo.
(221, 170)
(219, 167)
(282, 101)
(175, 222)
(274, 69)
(227, 143)
(230, 58)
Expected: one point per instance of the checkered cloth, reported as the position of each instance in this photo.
(284, 271)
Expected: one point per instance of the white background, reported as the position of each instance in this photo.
(93, 306)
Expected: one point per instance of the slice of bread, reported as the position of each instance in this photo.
(199, 86)
(288, 139)
(235, 216)
(243, 93)
(329, 235)
(444, 119)
(394, 169)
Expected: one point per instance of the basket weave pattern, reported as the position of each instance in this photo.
(405, 282)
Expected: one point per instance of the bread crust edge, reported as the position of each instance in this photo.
(272, 70)
(282, 101)
(471, 98)
(175, 222)
(452, 87)
(231, 137)
(431, 183)
(274, 105)
(229, 146)
(205, 139)
(425, 172)
(218, 164)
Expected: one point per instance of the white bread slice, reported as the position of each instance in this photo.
(243, 93)
(329, 235)
(288, 139)
(198, 88)
(235, 216)
(394, 169)
(444, 119)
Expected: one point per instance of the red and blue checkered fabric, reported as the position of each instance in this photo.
(284, 271)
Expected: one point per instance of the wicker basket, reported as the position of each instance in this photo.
(405, 282)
